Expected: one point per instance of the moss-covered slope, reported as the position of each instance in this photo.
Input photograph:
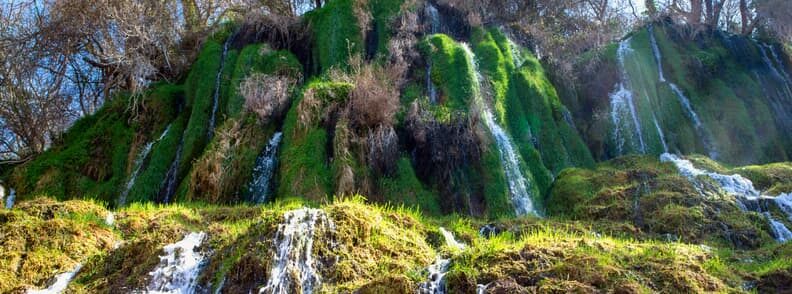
(711, 93)
(368, 249)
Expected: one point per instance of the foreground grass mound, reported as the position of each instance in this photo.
(363, 248)
(41, 238)
(652, 198)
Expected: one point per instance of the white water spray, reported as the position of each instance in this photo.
(294, 266)
(656, 51)
(61, 282)
(621, 101)
(438, 269)
(141, 158)
(216, 96)
(179, 267)
(519, 186)
(433, 16)
(9, 201)
(660, 133)
(736, 185)
(261, 185)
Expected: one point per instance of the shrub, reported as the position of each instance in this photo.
(266, 96)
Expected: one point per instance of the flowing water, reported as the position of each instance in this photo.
(660, 132)
(748, 198)
(9, 200)
(172, 177)
(141, 158)
(433, 16)
(437, 270)
(294, 267)
(110, 218)
(784, 202)
(621, 102)
(216, 95)
(781, 68)
(780, 231)
(656, 51)
(61, 282)
(699, 127)
(261, 186)
(179, 267)
(519, 186)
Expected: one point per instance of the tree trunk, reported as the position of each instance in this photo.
(696, 9)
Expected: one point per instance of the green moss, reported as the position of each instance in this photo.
(653, 197)
(452, 72)
(200, 88)
(726, 84)
(258, 58)
(405, 188)
(334, 43)
(152, 176)
(383, 13)
(496, 190)
(535, 116)
(90, 160)
(42, 238)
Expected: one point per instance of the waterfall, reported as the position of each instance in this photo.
(61, 282)
(438, 269)
(9, 201)
(699, 127)
(172, 177)
(294, 268)
(450, 240)
(781, 232)
(216, 96)
(738, 186)
(779, 63)
(784, 202)
(621, 101)
(434, 27)
(481, 288)
(656, 51)
(519, 186)
(141, 158)
(660, 132)
(776, 68)
(517, 57)
(261, 186)
(179, 267)
(110, 218)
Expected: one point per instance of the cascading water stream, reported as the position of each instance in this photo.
(742, 189)
(261, 186)
(438, 269)
(9, 199)
(433, 16)
(294, 266)
(656, 51)
(9, 202)
(216, 95)
(519, 186)
(660, 132)
(779, 63)
(61, 282)
(172, 177)
(621, 101)
(179, 267)
(141, 158)
(699, 127)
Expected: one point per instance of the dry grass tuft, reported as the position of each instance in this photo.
(266, 96)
